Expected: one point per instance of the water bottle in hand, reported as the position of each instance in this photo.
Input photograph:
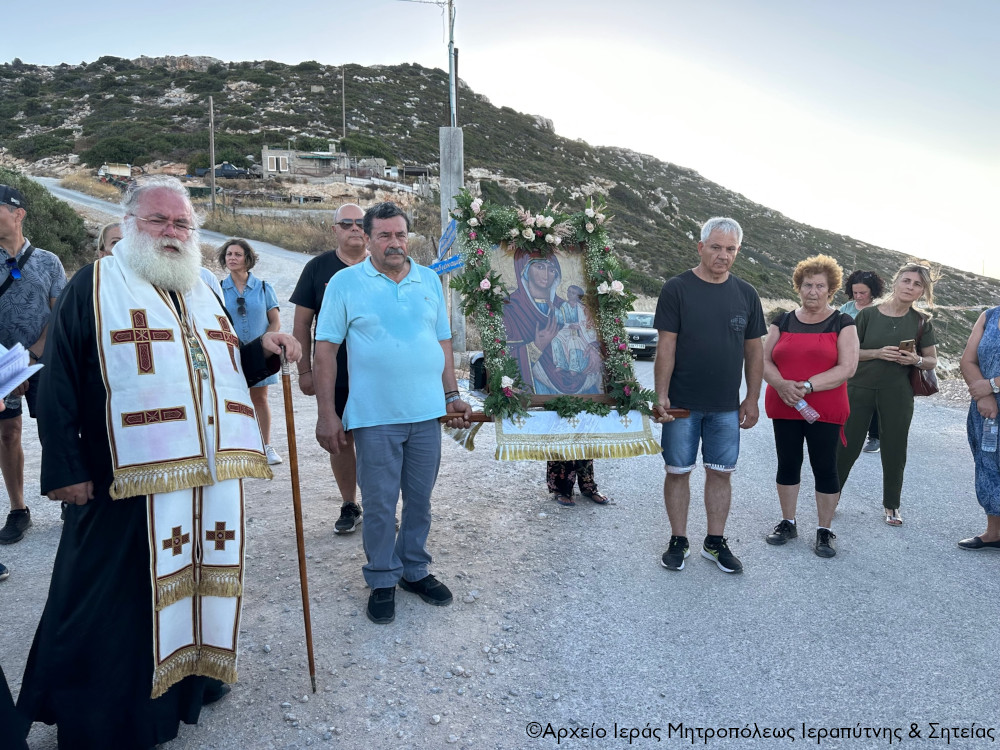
(989, 443)
(808, 413)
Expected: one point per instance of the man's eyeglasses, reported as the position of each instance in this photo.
(160, 224)
(15, 272)
(241, 305)
(346, 224)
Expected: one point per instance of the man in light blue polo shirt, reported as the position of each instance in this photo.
(391, 312)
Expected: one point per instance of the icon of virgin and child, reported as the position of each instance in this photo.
(552, 337)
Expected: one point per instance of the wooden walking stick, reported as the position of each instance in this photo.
(293, 461)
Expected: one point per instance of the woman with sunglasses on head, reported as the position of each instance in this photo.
(887, 333)
(862, 289)
(253, 306)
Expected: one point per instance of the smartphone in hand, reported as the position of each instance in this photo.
(908, 346)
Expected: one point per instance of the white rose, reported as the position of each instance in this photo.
(540, 220)
(513, 233)
(602, 288)
(590, 213)
(507, 382)
(473, 222)
(528, 234)
(589, 227)
(549, 220)
(557, 239)
(529, 221)
(600, 218)
(476, 206)
(457, 213)
(617, 287)
(551, 239)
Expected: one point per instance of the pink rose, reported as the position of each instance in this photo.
(508, 392)
(628, 391)
(622, 347)
(485, 284)
(479, 251)
(615, 339)
(472, 235)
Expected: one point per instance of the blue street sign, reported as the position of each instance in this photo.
(447, 265)
(447, 238)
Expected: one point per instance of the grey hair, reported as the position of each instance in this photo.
(135, 191)
(386, 210)
(723, 224)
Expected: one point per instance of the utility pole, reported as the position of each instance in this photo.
(211, 149)
(343, 103)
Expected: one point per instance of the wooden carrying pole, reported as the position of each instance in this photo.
(293, 460)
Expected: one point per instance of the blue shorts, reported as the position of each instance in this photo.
(719, 435)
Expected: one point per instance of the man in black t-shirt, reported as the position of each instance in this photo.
(710, 326)
(308, 298)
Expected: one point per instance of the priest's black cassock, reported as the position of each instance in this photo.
(90, 667)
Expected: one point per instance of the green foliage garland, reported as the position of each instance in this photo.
(482, 227)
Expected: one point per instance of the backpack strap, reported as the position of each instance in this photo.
(20, 264)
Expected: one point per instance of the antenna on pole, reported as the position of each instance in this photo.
(449, 7)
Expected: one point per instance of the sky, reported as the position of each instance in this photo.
(878, 119)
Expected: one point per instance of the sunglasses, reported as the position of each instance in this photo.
(241, 305)
(346, 224)
(15, 272)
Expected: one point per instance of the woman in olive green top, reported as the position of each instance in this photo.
(882, 379)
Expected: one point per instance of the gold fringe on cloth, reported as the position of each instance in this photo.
(240, 465)
(160, 478)
(173, 588)
(216, 581)
(572, 448)
(192, 660)
(464, 436)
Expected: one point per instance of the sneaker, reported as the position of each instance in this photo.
(784, 531)
(722, 556)
(272, 456)
(350, 518)
(872, 446)
(824, 543)
(677, 551)
(3, 572)
(382, 606)
(428, 588)
(13, 530)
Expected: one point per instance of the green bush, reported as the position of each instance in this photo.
(42, 145)
(115, 149)
(361, 146)
(50, 223)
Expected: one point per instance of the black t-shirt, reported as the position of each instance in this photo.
(712, 321)
(309, 293)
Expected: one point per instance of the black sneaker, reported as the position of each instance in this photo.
(784, 531)
(13, 530)
(350, 518)
(872, 445)
(3, 572)
(428, 588)
(824, 543)
(677, 551)
(720, 554)
(382, 605)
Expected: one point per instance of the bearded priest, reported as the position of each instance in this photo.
(147, 433)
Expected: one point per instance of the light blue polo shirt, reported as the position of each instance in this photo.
(393, 333)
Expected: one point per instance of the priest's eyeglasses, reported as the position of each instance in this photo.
(241, 305)
(159, 224)
(12, 268)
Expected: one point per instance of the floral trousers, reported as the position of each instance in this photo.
(562, 475)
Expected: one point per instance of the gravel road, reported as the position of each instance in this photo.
(564, 616)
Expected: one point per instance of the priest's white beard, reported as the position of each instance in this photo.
(175, 272)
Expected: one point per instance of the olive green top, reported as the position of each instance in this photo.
(876, 330)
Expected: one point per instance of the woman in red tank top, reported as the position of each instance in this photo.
(808, 356)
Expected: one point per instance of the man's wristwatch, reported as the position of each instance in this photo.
(34, 357)
(808, 386)
(993, 385)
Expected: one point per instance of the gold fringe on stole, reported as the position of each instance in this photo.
(192, 660)
(160, 478)
(173, 588)
(544, 448)
(240, 465)
(220, 582)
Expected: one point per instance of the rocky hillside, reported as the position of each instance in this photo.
(142, 110)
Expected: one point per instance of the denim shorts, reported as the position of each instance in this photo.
(718, 432)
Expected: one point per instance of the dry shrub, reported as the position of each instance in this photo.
(85, 183)
(301, 234)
